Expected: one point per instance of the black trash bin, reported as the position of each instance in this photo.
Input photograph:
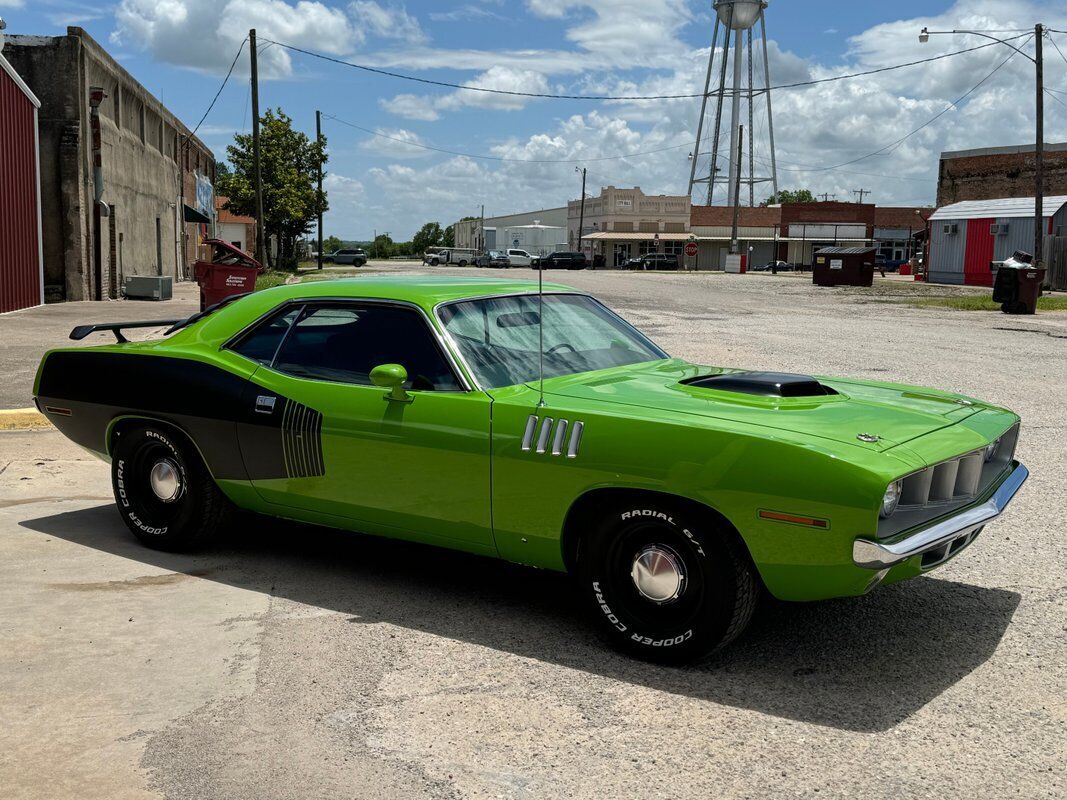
(1017, 284)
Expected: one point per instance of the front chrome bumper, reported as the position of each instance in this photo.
(952, 534)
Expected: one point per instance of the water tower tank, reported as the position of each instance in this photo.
(745, 12)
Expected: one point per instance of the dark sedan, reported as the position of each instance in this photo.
(561, 260)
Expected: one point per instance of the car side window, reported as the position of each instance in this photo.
(344, 342)
(261, 344)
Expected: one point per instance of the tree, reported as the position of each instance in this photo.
(289, 164)
(382, 246)
(449, 239)
(331, 244)
(430, 235)
(790, 196)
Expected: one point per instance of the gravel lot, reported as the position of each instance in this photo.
(298, 662)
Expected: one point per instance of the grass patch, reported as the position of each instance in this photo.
(983, 302)
(270, 279)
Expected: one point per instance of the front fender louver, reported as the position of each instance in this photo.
(548, 435)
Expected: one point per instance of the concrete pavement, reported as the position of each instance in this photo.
(300, 662)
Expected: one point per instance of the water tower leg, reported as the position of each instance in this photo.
(770, 119)
(735, 120)
(703, 111)
(718, 111)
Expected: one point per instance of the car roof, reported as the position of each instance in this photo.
(426, 291)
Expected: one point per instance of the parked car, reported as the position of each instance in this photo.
(494, 258)
(460, 258)
(520, 258)
(356, 257)
(561, 260)
(653, 261)
(674, 493)
(774, 266)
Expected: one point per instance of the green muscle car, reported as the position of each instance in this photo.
(542, 429)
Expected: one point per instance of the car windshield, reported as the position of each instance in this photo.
(498, 337)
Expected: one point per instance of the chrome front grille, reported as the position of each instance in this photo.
(548, 435)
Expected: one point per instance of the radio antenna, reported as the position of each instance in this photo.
(540, 335)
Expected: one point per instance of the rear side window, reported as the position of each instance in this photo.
(343, 342)
(261, 344)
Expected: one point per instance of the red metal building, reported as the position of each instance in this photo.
(21, 255)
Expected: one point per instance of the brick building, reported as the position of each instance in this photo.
(998, 172)
(793, 231)
(144, 210)
(237, 229)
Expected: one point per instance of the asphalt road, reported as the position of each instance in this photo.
(300, 662)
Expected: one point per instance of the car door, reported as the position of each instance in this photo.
(326, 441)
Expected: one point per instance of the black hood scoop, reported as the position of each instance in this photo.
(765, 384)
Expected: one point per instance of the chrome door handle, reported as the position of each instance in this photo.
(265, 404)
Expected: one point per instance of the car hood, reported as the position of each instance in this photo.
(894, 413)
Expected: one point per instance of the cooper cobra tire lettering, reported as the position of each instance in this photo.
(607, 609)
(646, 640)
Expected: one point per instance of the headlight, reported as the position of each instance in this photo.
(891, 499)
(991, 450)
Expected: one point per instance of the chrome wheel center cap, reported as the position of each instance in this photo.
(658, 573)
(165, 480)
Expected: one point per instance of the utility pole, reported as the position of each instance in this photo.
(1039, 122)
(827, 197)
(481, 235)
(1039, 148)
(261, 249)
(318, 141)
(581, 212)
(734, 245)
(862, 193)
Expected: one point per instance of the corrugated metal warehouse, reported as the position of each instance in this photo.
(965, 237)
(21, 258)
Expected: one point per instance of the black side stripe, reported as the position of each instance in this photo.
(302, 441)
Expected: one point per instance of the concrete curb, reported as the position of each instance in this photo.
(21, 419)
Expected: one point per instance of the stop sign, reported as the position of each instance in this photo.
(690, 249)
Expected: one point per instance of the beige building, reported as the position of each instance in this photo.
(625, 223)
(146, 207)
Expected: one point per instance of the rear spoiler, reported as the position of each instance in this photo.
(172, 325)
(81, 331)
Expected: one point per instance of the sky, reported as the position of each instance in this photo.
(824, 134)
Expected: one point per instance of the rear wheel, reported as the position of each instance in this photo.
(665, 585)
(463, 262)
(163, 491)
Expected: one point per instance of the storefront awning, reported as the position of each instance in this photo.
(621, 236)
(192, 215)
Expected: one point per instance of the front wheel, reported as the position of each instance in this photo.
(665, 585)
(163, 491)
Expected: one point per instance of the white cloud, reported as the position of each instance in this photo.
(387, 22)
(468, 12)
(11, 3)
(205, 34)
(428, 107)
(410, 106)
(395, 143)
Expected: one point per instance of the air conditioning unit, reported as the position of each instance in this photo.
(998, 229)
(949, 228)
(148, 287)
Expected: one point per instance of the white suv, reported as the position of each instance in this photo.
(520, 258)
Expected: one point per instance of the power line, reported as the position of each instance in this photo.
(214, 100)
(550, 96)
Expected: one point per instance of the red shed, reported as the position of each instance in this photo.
(21, 254)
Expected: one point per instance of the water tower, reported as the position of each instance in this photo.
(736, 17)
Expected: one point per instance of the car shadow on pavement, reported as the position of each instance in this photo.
(859, 664)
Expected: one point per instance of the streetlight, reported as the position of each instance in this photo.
(1039, 146)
